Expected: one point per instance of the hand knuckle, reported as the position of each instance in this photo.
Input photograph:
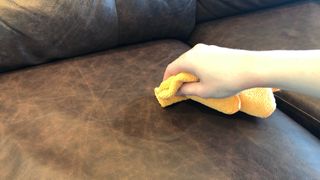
(170, 66)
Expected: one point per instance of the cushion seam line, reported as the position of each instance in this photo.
(299, 109)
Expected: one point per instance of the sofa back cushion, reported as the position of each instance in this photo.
(213, 9)
(37, 31)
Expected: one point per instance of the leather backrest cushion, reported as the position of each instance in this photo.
(37, 31)
(213, 9)
(149, 19)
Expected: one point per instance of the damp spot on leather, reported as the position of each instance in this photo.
(144, 118)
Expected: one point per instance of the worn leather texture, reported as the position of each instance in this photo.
(213, 9)
(294, 26)
(37, 31)
(96, 117)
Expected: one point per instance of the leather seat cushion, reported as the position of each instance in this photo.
(96, 117)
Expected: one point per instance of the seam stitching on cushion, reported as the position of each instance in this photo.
(299, 109)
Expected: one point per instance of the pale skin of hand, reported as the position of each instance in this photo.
(224, 72)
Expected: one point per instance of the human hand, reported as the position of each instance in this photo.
(222, 72)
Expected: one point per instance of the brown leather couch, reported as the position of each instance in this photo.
(91, 113)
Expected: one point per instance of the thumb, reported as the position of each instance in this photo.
(191, 89)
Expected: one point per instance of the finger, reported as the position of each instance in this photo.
(171, 71)
(191, 89)
(177, 66)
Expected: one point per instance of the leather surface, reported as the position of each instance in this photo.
(213, 9)
(310, 105)
(96, 117)
(141, 20)
(37, 31)
(303, 108)
(294, 26)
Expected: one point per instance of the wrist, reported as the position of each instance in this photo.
(261, 70)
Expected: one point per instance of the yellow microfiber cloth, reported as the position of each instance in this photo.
(259, 102)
